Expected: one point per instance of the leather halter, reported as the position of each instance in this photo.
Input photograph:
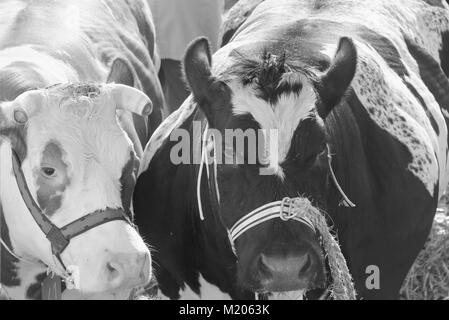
(60, 237)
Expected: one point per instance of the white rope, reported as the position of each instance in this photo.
(200, 173)
(216, 173)
(346, 201)
(204, 162)
(275, 210)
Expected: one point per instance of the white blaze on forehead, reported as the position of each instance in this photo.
(284, 116)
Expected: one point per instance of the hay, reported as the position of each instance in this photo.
(343, 286)
(427, 280)
(429, 277)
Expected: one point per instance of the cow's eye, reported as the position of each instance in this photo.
(48, 172)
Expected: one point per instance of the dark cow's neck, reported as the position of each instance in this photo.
(387, 222)
(185, 247)
(390, 231)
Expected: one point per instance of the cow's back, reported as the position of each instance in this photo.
(400, 100)
(88, 35)
(388, 135)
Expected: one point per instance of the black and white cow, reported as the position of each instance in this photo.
(362, 81)
(77, 143)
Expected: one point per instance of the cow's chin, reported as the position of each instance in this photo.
(78, 295)
(319, 294)
(293, 295)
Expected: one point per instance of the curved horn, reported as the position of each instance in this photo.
(131, 99)
(19, 111)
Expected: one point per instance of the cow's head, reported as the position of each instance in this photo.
(76, 160)
(269, 93)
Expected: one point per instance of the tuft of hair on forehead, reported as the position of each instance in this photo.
(267, 73)
(271, 74)
(79, 99)
(77, 90)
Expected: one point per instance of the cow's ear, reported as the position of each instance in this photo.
(207, 91)
(121, 73)
(197, 68)
(338, 78)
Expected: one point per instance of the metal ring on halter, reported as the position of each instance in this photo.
(287, 216)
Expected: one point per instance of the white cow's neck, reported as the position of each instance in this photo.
(25, 239)
(28, 275)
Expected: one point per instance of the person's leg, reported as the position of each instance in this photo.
(175, 89)
(229, 4)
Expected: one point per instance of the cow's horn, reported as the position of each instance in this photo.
(20, 116)
(24, 107)
(131, 99)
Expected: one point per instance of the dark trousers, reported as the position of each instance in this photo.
(172, 79)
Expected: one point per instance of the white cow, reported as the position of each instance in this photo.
(69, 148)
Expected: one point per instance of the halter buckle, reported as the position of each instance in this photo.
(287, 215)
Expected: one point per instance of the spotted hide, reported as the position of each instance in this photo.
(367, 78)
(71, 109)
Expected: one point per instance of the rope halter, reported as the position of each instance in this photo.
(276, 210)
(302, 210)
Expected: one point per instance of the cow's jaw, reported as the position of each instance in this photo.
(293, 295)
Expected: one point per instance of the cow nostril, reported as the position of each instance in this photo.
(263, 266)
(114, 272)
(306, 266)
